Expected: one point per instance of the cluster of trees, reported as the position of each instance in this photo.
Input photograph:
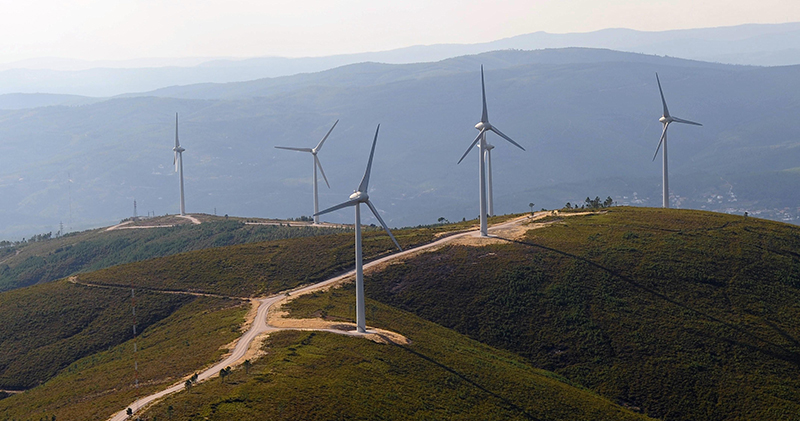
(190, 381)
(591, 203)
(35, 238)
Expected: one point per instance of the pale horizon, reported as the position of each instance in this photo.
(93, 30)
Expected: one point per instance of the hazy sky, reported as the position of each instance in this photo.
(127, 29)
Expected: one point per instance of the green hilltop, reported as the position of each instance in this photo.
(623, 314)
(44, 258)
(683, 314)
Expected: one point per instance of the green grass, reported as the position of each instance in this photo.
(98, 385)
(685, 314)
(46, 328)
(48, 260)
(441, 375)
(49, 327)
(256, 269)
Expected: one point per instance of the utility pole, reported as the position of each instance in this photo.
(135, 345)
(69, 193)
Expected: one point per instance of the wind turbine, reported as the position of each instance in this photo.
(484, 126)
(178, 161)
(666, 119)
(358, 197)
(317, 164)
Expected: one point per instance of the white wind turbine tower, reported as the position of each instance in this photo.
(356, 199)
(317, 164)
(484, 126)
(666, 119)
(178, 161)
(489, 195)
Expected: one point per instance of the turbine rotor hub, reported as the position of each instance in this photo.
(483, 125)
(360, 196)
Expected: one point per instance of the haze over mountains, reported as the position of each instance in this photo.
(587, 117)
(753, 44)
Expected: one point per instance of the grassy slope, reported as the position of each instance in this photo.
(98, 385)
(50, 326)
(52, 259)
(262, 268)
(441, 375)
(685, 314)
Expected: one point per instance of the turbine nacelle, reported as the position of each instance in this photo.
(483, 125)
(359, 196)
(665, 120)
(178, 149)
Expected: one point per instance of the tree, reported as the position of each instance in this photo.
(531, 205)
(568, 206)
(224, 373)
(129, 412)
(247, 365)
(608, 202)
(188, 384)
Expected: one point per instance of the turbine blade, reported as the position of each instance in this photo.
(471, 145)
(663, 101)
(485, 115)
(319, 165)
(319, 146)
(294, 149)
(494, 129)
(177, 145)
(175, 161)
(337, 207)
(365, 181)
(663, 135)
(375, 212)
(680, 120)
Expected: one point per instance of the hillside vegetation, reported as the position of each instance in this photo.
(258, 269)
(47, 328)
(440, 375)
(193, 336)
(50, 259)
(684, 314)
(54, 326)
(679, 315)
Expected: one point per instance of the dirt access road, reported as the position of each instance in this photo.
(269, 318)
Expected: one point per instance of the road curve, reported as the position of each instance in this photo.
(260, 324)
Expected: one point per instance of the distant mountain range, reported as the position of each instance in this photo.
(588, 119)
(755, 44)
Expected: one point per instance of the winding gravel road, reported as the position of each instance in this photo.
(260, 324)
